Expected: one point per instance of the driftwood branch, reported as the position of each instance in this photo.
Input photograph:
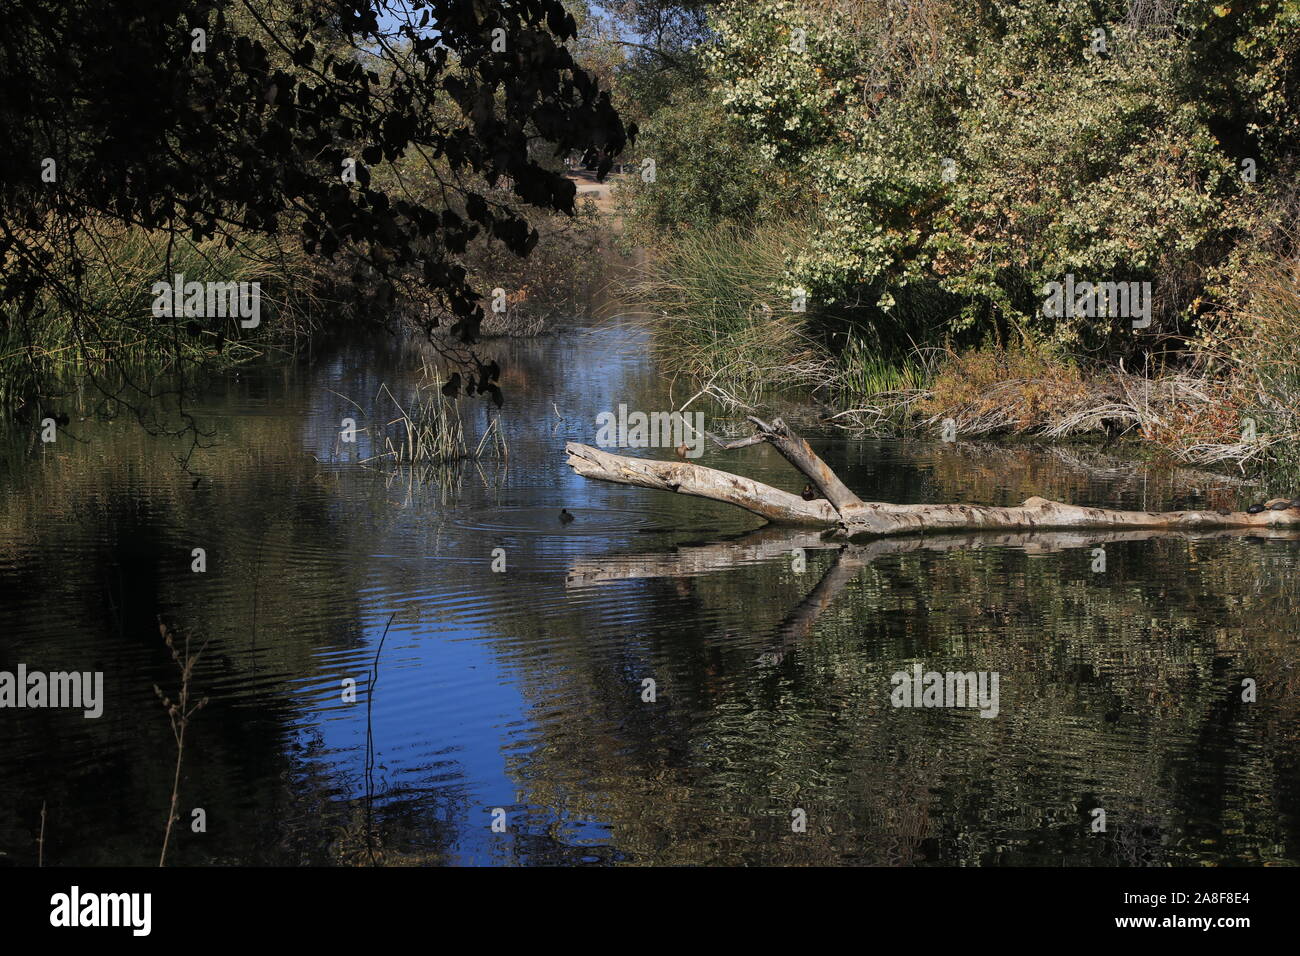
(841, 510)
(800, 454)
(685, 478)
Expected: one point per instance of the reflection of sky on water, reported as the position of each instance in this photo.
(521, 690)
(429, 731)
(449, 712)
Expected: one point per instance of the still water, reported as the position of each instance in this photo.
(522, 690)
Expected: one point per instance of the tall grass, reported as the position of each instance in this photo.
(102, 323)
(428, 430)
(720, 305)
(872, 391)
(1266, 363)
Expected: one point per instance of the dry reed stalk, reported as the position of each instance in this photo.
(179, 713)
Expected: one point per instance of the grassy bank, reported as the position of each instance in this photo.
(95, 322)
(93, 325)
(722, 318)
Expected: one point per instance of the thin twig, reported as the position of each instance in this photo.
(370, 741)
(179, 713)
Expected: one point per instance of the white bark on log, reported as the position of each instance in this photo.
(685, 478)
(854, 518)
(1039, 514)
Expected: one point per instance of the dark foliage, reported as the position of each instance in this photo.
(250, 129)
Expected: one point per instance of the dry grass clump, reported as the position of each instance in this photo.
(1006, 390)
(1193, 416)
(1236, 402)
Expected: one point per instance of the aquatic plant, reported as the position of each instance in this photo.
(179, 712)
(429, 430)
(722, 307)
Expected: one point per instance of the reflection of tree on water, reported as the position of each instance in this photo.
(1119, 689)
(1128, 683)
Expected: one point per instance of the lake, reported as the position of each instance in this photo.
(509, 721)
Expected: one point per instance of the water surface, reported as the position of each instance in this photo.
(522, 690)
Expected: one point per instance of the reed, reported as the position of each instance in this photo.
(428, 428)
(873, 393)
(179, 713)
(99, 322)
(719, 303)
(1265, 361)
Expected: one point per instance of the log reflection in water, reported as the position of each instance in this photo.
(773, 543)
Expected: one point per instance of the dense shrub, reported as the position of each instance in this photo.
(982, 148)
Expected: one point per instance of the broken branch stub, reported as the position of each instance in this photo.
(800, 454)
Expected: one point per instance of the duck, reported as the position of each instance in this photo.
(565, 517)
(809, 493)
(681, 451)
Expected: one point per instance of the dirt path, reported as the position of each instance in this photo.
(601, 193)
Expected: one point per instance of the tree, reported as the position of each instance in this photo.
(215, 119)
(967, 153)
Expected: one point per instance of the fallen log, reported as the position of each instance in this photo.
(686, 478)
(842, 512)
